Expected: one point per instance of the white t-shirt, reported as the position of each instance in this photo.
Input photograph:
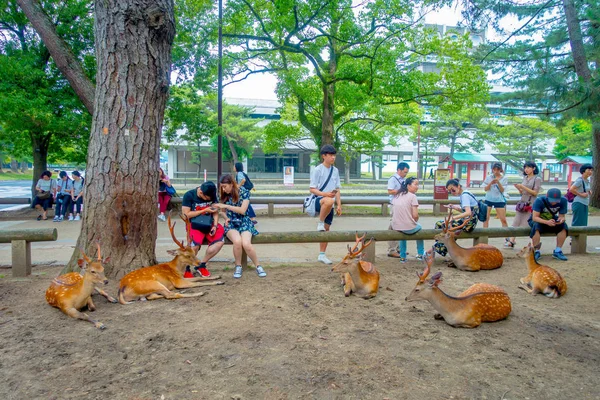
(468, 200)
(319, 176)
(494, 194)
(394, 183)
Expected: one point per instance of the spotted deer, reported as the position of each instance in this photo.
(481, 256)
(73, 291)
(158, 281)
(541, 278)
(481, 302)
(358, 276)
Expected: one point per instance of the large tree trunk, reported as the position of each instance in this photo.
(24, 167)
(14, 166)
(60, 52)
(40, 144)
(328, 113)
(133, 41)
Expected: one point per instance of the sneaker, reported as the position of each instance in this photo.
(55, 219)
(558, 254)
(205, 273)
(260, 271)
(238, 272)
(402, 260)
(255, 222)
(61, 218)
(77, 218)
(322, 258)
(162, 218)
(394, 254)
(39, 218)
(321, 226)
(188, 273)
(70, 218)
(537, 255)
(508, 243)
(419, 257)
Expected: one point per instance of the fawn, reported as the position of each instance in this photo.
(541, 278)
(481, 302)
(482, 256)
(157, 281)
(73, 291)
(358, 276)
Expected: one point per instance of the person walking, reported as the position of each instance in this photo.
(45, 190)
(77, 197)
(164, 197)
(325, 185)
(241, 179)
(406, 215)
(202, 201)
(468, 211)
(64, 193)
(529, 189)
(394, 184)
(431, 176)
(238, 226)
(495, 185)
(581, 189)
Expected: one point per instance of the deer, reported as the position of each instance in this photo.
(481, 256)
(541, 278)
(481, 302)
(158, 281)
(73, 291)
(358, 276)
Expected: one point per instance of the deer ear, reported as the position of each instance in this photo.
(172, 252)
(80, 262)
(435, 279)
(107, 259)
(366, 266)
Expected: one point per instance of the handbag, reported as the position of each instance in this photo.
(482, 208)
(43, 195)
(310, 202)
(247, 182)
(570, 196)
(525, 206)
(202, 222)
(170, 190)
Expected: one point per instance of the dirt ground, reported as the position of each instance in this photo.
(294, 335)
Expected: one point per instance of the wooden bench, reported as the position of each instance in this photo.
(481, 235)
(20, 240)
(473, 183)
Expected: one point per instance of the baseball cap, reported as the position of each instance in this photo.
(328, 149)
(554, 195)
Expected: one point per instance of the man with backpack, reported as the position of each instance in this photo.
(394, 184)
(549, 217)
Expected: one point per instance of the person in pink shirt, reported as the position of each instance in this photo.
(406, 215)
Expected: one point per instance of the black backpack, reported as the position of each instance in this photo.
(247, 182)
(482, 212)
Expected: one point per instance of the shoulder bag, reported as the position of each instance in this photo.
(310, 201)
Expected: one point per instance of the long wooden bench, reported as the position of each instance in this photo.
(382, 201)
(578, 234)
(20, 240)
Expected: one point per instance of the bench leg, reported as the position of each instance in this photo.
(21, 258)
(244, 258)
(271, 210)
(436, 209)
(479, 240)
(579, 244)
(369, 254)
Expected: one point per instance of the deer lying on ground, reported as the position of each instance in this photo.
(157, 281)
(481, 302)
(541, 278)
(481, 256)
(358, 276)
(73, 291)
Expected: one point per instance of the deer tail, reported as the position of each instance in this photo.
(121, 298)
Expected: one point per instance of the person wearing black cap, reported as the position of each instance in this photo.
(197, 202)
(325, 185)
(549, 217)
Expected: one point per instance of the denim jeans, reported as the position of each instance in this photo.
(420, 244)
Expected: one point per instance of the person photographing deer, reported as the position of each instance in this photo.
(325, 186)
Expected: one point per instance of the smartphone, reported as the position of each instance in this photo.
(334, 191)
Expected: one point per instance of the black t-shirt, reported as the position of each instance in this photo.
(195, 203)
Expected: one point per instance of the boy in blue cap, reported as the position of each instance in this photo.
(549, 217)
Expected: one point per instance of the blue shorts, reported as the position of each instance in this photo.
(495, 204)
(329, 217)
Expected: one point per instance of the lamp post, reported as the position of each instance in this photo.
(220, 96)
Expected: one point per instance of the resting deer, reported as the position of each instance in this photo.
(481, 302)
(358, 276)
(157, 281)
(481, 256)
(541, 278)
(73, 291)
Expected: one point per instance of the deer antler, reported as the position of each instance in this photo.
(357, 241)
(447, 220)
(423, 275)
(171, 228)
(188, 228)
(363, 246)
(454, 229)
(99, 256)
(85, 257)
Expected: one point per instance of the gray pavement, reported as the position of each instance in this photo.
(60, 251)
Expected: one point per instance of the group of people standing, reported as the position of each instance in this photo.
(66, 194)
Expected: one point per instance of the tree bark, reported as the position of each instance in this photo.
(328, 113)
(24, 167)
(133, 40)
(14, 166)
(40, 144)
(62, 55)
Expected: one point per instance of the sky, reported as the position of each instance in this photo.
(262, 86)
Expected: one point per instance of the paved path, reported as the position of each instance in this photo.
(60, 251)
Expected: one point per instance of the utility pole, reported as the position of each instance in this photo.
(220, 97)
(419, 166)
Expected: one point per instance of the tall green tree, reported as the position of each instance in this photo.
(342, 63)
(574, 139)
(552, 57)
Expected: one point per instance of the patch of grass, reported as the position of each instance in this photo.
(10, 176)
(1, 276)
